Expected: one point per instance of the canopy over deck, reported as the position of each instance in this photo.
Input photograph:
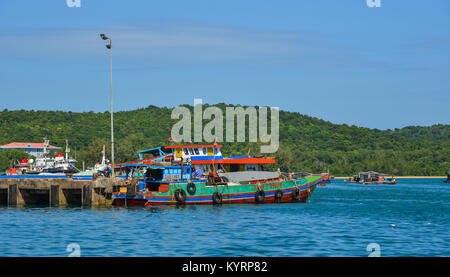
(232, 160)
(373, 174)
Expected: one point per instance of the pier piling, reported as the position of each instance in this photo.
(86, 196)
(12, 195)
(55, 192)
(54, 195)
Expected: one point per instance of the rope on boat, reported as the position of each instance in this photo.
(171, 191)
(259, 186)
(223, 189)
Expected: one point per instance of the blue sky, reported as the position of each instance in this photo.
(341, 61)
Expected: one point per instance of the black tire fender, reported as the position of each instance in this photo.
(259, 196)
(191, 188)
(278, 194)
(296, 194)
(217, 198)
(180, 195)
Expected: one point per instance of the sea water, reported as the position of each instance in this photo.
(410, 218)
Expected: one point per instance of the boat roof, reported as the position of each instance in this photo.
(203, 160)
(374, 173)
(160, 155)
(232, 160)
(155, 166)
(154, 151)
(144, 161)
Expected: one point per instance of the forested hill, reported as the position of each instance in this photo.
(306, 143)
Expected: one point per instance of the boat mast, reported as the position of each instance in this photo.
(67, 150)
(46, 143)
(103, 157)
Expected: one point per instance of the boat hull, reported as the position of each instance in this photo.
(126, 202)
(231, 193)
(59, 170)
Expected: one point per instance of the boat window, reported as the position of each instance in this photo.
(191, 152)
(186, 151)
(215, 151)
(196, 151)
(204, 151)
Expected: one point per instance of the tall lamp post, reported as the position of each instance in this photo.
(109, 46)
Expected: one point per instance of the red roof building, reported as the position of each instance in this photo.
(32, 148)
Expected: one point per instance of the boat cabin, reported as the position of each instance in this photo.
(152, 177)
(373, 177)
(196, 163)
(206, 157)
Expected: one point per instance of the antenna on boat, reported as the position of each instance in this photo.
(45, 144)
(103, 155)
(181, 170)
(214, 154)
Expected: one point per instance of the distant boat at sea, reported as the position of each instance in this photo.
(372, 178)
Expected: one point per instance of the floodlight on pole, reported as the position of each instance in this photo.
(109, 46)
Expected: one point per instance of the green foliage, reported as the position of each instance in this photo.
(9, 157)
(306, 143)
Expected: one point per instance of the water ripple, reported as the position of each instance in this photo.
(408, 219)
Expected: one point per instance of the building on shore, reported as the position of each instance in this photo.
(31, 148)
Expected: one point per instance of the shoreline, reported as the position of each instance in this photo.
(406, 177)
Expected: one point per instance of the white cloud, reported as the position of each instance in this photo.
(177, 43)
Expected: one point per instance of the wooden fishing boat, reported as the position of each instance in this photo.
(215, 191)
(373, 178)
(167, 181)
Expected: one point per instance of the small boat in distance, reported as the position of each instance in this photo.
(448, 178)
(98, 167)
(373, 178)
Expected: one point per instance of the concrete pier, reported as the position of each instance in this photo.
(57, 192)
